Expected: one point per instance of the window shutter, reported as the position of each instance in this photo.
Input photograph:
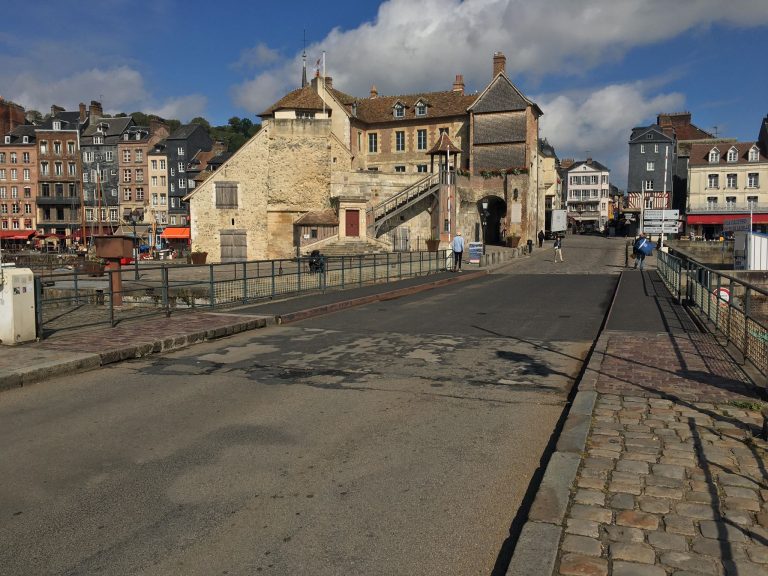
(226, 194)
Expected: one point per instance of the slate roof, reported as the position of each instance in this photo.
(592, 164)
(184, 132)
(69, 121)
(114, 129)
(640, 132)
(700, 153)
(19, 132)
(502, 96)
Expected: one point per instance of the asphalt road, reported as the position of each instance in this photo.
(394, 438)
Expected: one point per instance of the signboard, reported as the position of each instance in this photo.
(475, 251)
(661, 215)
(736, 224)
(559, 221)
(656, 228)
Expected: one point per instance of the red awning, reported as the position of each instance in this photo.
(175, 234)
(16, 234)
(721, 218)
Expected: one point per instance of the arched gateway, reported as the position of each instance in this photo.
(493, 211)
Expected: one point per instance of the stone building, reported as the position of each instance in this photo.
(725, 181)
(18, 183)
(395, 170)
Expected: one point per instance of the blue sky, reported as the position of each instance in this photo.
(595, 67)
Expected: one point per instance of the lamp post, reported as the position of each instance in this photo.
(134, 215)
(484, 220)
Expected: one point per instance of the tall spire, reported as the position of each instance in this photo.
(304, 62)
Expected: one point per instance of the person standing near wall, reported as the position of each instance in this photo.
(457, 245)
(541, 238)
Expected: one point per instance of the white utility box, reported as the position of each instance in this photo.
(17, 305)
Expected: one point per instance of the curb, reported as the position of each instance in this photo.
(538, 546)
(88, 362)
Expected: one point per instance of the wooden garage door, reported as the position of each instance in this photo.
(233, 245)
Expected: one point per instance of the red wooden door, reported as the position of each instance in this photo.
(353, 222)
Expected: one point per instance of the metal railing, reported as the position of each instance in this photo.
(392, 205)
(736, 309)
(74, 299)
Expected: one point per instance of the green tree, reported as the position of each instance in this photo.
(202, 122)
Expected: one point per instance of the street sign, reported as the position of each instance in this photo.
(661, 214)
(656, 228)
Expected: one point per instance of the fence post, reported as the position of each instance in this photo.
(375, 259)
(399, 265)
(323, 272)
(342, 271)
(298, 273)
(38, 306)
(165, 290)
(387, 267)
(746, 324)
(111, 298)
(273, 279)
(211, 287)
(245, 283)
(420, 258)
(77, 290)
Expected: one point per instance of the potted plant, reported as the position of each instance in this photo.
(433, 242)
(198, 256)
(513, 241)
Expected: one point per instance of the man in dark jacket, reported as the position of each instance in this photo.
(638, 250)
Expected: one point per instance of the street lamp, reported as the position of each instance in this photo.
(134, 215)
(484, 220)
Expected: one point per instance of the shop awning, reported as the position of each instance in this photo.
(175, 234)
(757, 218)
(16, 234)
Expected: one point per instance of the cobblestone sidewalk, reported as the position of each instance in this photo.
(674, 480)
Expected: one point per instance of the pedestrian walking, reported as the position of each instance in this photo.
(640, 249)
(558, 248)
(457, 245)
(541, 238)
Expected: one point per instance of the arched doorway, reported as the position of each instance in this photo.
(493, 211)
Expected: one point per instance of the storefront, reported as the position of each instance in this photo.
(710, 226)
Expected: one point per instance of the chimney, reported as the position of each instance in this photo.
(458, 84)
(328, 82)
(95, 111)
(82, 112)
(374, 92)
(499, 63)
(589, 160)
(56, 109)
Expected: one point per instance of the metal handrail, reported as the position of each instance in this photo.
(736, 309)
(405, 196)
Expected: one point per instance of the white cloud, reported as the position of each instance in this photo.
(257, 57)
(421, 46)
(598, 123)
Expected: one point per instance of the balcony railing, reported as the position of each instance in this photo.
(739, 207)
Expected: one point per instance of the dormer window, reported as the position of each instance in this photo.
(754, 154)
(714, 156)
(354, 109)
(25, 139)
(421, 109)
(126, 136)
(733, 155)
(98, 139)
(7, 139)
(57, 125)
(399, 110)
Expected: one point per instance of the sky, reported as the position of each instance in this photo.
(596, 68)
